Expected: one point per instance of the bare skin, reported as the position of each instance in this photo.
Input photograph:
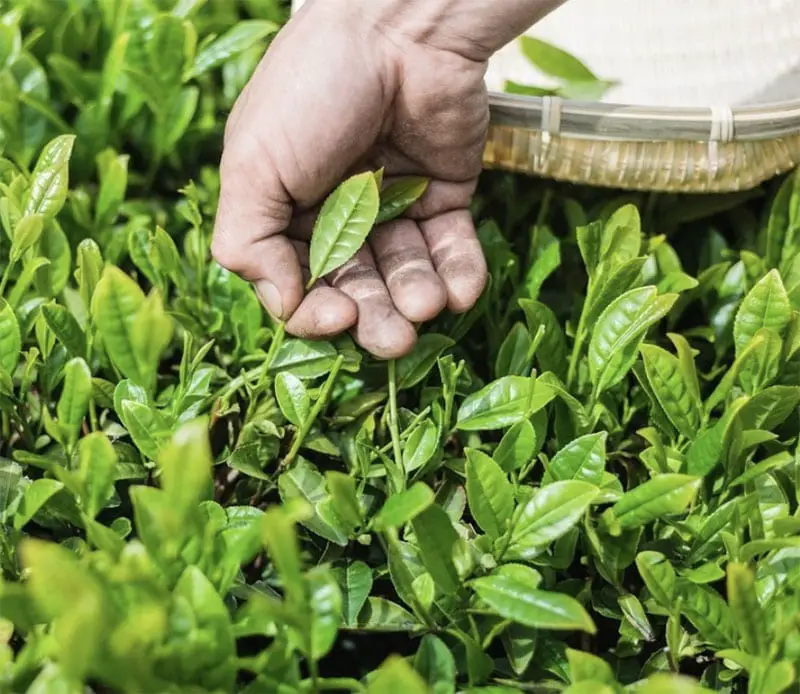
(355, 84)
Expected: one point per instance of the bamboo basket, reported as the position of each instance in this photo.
(709, 96)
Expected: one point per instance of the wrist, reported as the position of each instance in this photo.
(474, 29)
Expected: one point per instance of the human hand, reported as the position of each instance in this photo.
(348, 86)
(337, 93)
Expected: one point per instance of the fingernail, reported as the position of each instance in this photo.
(270, 297)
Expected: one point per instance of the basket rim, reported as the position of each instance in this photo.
(637, 123)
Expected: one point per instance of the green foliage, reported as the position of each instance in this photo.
(588, 483)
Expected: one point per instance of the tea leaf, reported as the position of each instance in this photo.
(346, 218)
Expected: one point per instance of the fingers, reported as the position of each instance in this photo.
(252, 212)
(443, 266)
(283, 150)
(381, 329)
(443, 196)
(325, 312)
(457, 257)
(405, 264)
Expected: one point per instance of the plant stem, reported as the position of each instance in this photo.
(314, 670)
(94, 425)
(409, 430)
(6, 426)
(448, 403)
(394, 425)
(6, 276)
(544, 208)
(315, 412)
(580, 338)
(274, 346)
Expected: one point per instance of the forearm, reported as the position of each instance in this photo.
(474, 28)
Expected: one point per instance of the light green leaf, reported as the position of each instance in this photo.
(746, 609)
(50, 179)
(583, 459)
(619, 331)
(179, 110)
(396, 676)
(344, 222)
(293, 397)
(151, 333)
(512, 356)
(622, 236)
(236, 40)
(437, 538)
(502, 403)
(402, 508)
(659, 577)
(421, 446)
(344, 498)
(490, 494)
(414, 367)
(185, 465)
(436, 664)
(768, 409)
(585, 666)
(117, 299)
(674, 393)
(52, 277)
(549, 514)
(545, 260)
(552, 352)
(88, 269)
(149, 428)
(74, 401)
(517, 446)
(709, 614)
(212, 624)
(381, 615)
(10, 339)
(399, 196)
(555, 62)
(325, 604)
(355, 583)
(767, 305)
(279, 535)
(607, 287)
(662, 496)
(36, 495)
(26, 234)
(97, 461)
(306, 359)
(65, 327)
(518, 602)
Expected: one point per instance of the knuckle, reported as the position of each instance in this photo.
(228, 253)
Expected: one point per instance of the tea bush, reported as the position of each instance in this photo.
(588, 483)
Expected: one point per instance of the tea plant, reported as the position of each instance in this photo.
(588, 483)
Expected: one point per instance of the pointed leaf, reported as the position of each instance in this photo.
(516, 601)
(293, 398)
(662, 496)
(619, 331)
(766, 306)
(74, 401)
(583, 459)
(551, 512)
(10, 339)
(344, 222)
(490, 494)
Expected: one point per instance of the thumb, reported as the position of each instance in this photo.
(254, 209)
